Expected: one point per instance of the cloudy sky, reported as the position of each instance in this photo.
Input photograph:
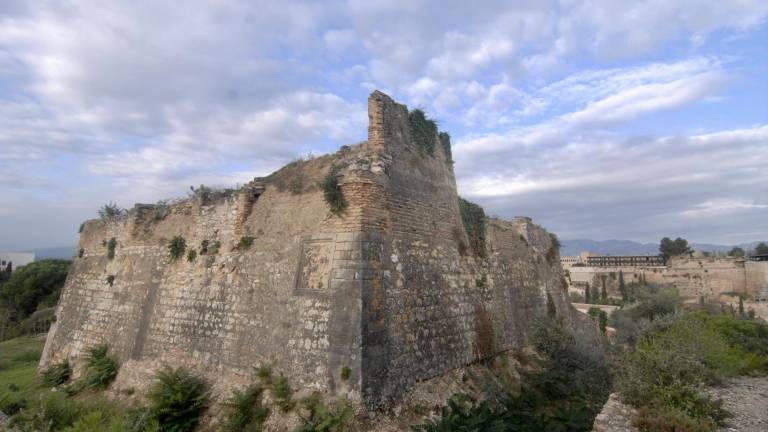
(599, 119)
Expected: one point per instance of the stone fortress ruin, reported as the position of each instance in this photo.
(363, 261)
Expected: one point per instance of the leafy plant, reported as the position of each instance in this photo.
(110, 211)
(177, 399)
(191, 255)
(445, 141)
(332, 192)
(100, 367)
(176, 247)
(473, 218)
(57, 374)
(423, 131)
(110, 279)
(283, 393)
(245, 411)
(245, 243)
(321, 418)
(345, 373)
(264, 372)
(111, 245)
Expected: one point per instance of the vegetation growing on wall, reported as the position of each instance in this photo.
(101, 367)
(245, 243)
(473, 218)
(111, 245)
(554, 248)
(245, 410)
(176, 247)
(57, 374)
(423, 131)
(445, 142)
(332, 192)
(191, 255)
(110, 211)
(177, 399)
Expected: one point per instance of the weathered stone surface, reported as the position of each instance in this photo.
(615, 417)
(382, 289)
(746, 398)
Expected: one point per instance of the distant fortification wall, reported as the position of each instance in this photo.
(388, 288)
(693, 277)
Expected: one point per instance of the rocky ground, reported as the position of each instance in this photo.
(744, 397)
(747, 399)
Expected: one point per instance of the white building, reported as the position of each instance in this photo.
(16, 259)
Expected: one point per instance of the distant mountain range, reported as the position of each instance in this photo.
(629, 247)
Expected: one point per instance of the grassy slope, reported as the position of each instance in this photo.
(18, 367)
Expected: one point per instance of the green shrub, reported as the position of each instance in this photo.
(332, 192)
(34, 286)
(423, 131)
(563, 392)
(110, 211)
(191, 255)
(554, 249)
(264, 372)
(110, 279)
(445, 141)
(111, 245)
(297, 183)
(176, 247)
(283, 394)
(321, 418)
(245, 243)
(673, 360)
(177, 399)
(345, 373)
(245, 411)
(28, 355)
(100, 367)
(53, 412)
(473, 218)
(57, 374)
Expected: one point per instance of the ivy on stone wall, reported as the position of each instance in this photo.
(473, 218)
(423, 131)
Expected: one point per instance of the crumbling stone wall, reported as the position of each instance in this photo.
(388, 288)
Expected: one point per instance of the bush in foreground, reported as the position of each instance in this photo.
(57, 374)
(100, 367)
(177, 399)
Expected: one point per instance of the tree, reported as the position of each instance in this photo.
(587, 295)
(761, 249)
(603, 320)
(623, 287)
(669, 248)
(603, 291)
(741, 307)
(33, 286)
(736, 252)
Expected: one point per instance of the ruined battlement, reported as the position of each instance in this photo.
(390, 287)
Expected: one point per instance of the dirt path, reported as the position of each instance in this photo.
(747, 399)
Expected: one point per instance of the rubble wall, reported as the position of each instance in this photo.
(387, 288)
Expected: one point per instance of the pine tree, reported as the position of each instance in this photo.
(603, 292)
(622, 287)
